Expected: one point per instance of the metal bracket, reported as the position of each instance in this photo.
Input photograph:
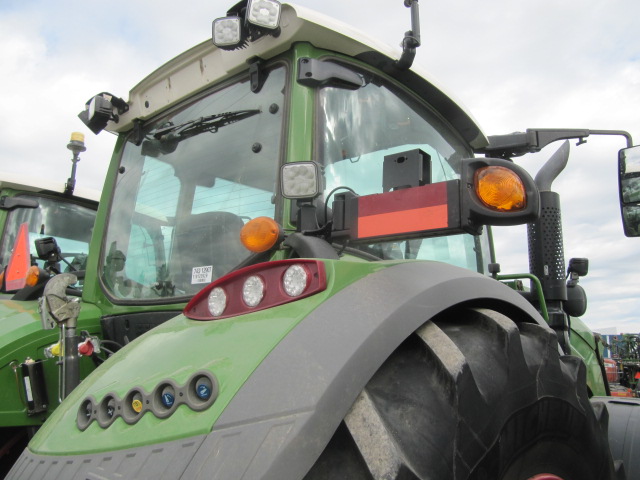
(256, 74)
(317, 73)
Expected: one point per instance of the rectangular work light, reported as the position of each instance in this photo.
(264, 13)
(300, 180)
(227, 31)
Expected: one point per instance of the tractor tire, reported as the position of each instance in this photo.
(472, 395)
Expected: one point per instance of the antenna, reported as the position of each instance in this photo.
(76, 145)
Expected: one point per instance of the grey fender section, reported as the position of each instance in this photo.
(162, 461)
(624, 432)
(306, 386)
(284, 415)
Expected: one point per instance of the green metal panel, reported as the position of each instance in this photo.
(91, 292)
(22, 337)
(300, 123)
(584, 345)
(231, 349)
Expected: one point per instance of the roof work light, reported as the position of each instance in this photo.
(248, 20)
(264, 13)
(227, 32)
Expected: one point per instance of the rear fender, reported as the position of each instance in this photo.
(281, 419)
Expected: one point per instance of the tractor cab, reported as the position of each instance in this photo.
(45, 228)
(191, 179)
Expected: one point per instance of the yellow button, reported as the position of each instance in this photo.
(56, 350)
(137, 406)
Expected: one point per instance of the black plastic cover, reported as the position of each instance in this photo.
(35, 388)
(124, 328)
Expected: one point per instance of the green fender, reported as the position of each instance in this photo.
(583, 345)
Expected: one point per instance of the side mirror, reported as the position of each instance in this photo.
(629, 185)
(9, 203)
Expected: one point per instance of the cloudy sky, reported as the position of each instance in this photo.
(515, 65)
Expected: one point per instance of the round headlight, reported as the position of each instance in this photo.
(217, 301)
(253, 291)
(295, 280)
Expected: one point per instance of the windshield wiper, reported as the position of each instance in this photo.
(210, 123)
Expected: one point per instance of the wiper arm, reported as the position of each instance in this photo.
(210, 123)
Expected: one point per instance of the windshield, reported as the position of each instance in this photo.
(69, 223)
(185, 192)
(358, 128)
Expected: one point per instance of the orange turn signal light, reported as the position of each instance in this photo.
(260, 234)
(33, 276)
(500, 189)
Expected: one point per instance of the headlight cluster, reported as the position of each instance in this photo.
(258, 287)
(199, 393)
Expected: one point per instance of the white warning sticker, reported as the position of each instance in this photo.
(201, 274)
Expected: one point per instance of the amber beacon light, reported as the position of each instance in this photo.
(500, 189)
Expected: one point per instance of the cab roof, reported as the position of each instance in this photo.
(206, 64)
(27, 183)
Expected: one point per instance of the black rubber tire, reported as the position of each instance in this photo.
(471, 395)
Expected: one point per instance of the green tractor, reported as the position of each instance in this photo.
(45, 230)
(315, 207)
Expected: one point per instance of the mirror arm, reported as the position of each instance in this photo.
(411, 39)
(622, 133)
(535, 139)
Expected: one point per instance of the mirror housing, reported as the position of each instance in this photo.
(629, 188)
(99, 110)
(579, 266)
(47, 249)
(9, 203)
